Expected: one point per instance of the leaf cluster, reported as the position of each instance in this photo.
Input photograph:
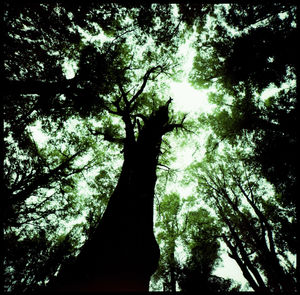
(198, 233)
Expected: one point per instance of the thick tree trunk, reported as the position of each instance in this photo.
(123, 253)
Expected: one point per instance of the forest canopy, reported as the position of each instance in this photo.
(90, 133)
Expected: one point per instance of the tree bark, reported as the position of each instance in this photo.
(123, 253)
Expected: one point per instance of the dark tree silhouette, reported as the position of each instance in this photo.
(122, 253)
(41, 40)
(254, 222)
(38, 39)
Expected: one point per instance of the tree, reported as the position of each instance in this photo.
(264, 32)
(42, 196)
(123, 253)
(32, 94)
(202, 240)
(249, 51)
(105, 86)
(169, 210)
(254, 237)
(197, 232)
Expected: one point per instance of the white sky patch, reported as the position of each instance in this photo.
(189, 100)
(69, 67)
(270, 91)
(229, 269)
(92, 39)
(273, 90)
(185, 97)
(38, 135)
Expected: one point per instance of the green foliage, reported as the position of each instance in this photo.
(240, 52)
(248, 52)
(201, 238)
(198, 233)
(257, 52)
(37, 249)
(168, 236)
(46, 196)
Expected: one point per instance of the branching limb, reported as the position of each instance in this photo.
(172, 126)
(130, 29)
(116, 103)
(138, 124)
(165, 166)
(145, 80)
(42, 180)
(124, 96)
(139, 115)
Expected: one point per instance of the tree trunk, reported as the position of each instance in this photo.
(172, 279)
(172, 266)
(123, 253)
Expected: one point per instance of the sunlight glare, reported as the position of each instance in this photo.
(189, 100)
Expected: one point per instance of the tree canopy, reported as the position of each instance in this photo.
(84, 81)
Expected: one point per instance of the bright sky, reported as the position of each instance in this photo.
(189, 100)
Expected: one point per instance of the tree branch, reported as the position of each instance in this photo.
(162, 165)
(246, 261)
(234, 255)
(41, 180)
(145, 80)
(139, 115)
(172, 126)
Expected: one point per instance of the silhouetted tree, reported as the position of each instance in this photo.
(39, 40)
(247, 209)
(198, 233)
(249, 52)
